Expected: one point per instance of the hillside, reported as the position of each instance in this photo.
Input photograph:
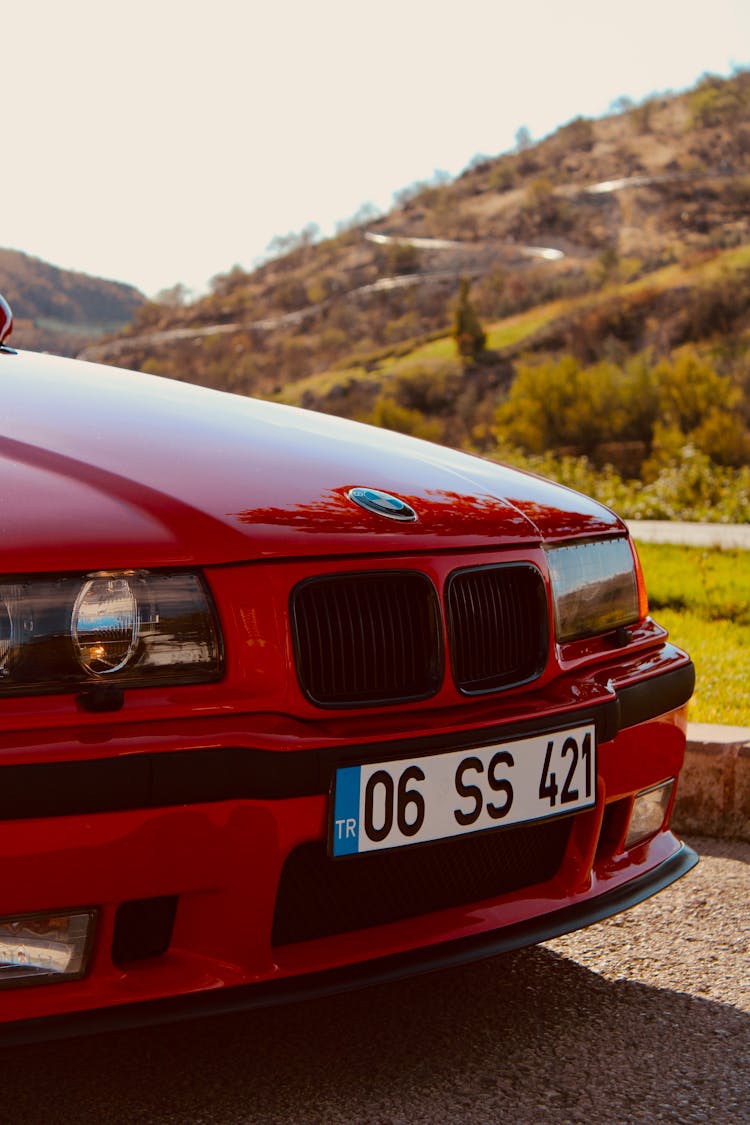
(617, 241)
(60, 310)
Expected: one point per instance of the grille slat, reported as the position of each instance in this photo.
(367, 638)
(497, 626)
(319, 897)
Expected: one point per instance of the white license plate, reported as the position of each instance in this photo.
(415, 800)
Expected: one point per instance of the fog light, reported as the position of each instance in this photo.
(649, 810)
(44, 947)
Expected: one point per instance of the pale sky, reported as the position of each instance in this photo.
(165, 140)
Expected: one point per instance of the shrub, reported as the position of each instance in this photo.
(718, 308)
(703, 406)
(503, 175)
(389, 415)
(690, 488)
(559, 404)
(562, 406)
(401, 258)
(577, 134)
(540, 197)
(642, 116)
(620, 319)
(429, 385)
(715, 102)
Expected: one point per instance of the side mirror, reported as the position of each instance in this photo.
(6, 320)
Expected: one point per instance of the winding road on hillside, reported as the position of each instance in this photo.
(547, 253)
(112, 349)
(100, 353)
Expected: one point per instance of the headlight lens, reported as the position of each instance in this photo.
(8, 616)
(105, 624)
(595, 587)
(136, 629)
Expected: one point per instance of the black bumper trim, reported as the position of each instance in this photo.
(656, 696)
(202, 776)
(384, 970)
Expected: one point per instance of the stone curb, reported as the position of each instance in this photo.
(713, 794)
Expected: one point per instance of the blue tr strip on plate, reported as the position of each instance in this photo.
(346, 811)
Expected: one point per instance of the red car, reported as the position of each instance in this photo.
(289, 704)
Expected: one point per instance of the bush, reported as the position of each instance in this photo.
(540, 200)
(430, 385)
(623, 320)
(401, 258)
(389, 415)
(503, 175)
(718, 308)
(716, 102)
(642, 116)
(577, 134)
(694, 488)
(564, 407)
(690, 488)
(560, 405)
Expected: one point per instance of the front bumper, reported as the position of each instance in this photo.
(203, 815)
(383, 970)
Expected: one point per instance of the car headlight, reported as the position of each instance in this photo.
(105, 624)
(597, 586)
(128, 628)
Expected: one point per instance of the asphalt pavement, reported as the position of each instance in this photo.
(640, 1019)
(726, 535)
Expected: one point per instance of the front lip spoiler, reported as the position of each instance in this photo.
(384, 970)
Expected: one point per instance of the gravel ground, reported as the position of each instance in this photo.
(641, 1019)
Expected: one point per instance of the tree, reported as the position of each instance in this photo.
(467, 331)
(174, 297)
(621, 104)
(365, 214)
(283, 244)
(223, 283)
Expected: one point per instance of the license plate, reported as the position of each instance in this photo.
(416, 800)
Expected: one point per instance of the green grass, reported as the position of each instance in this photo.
(703, 598)
(507, 333)
(444, 348)
(720, 652)
(322, 383)
(512, 331)
(521, 326)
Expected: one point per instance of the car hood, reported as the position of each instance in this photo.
(103, 468)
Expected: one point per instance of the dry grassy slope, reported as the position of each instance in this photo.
(304, 313)
(61, 310)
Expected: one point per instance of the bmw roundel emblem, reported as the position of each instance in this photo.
(382, 504)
